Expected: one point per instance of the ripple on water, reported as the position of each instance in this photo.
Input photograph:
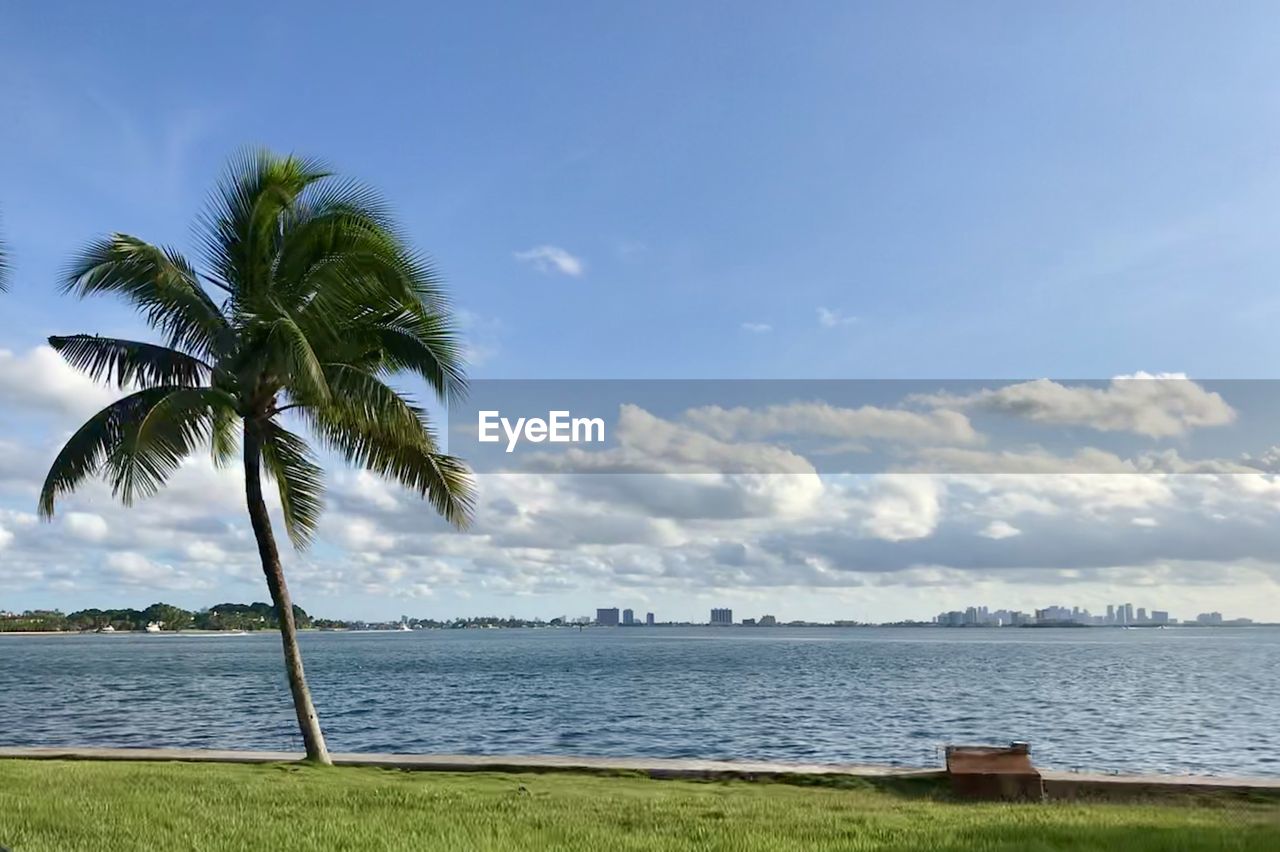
(1178, 701)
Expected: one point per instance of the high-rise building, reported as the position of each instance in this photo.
(607, 617)
(1142, 615)
(1111, 614)
(722, 616)
(768, 621)
(648, 619)
(1159, 616)
(628, 617)
(1128, 614)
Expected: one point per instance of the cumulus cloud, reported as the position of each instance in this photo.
(901, 507)
(1157, 406)
(997, 530)
(40, 380)
(830, 318)
(86, 526)
(548, 258)
(820, 419)
(135, 569)
(647, 443)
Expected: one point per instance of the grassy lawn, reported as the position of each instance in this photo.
(64, 806)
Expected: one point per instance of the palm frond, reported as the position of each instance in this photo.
(224, 442)
(427, 344)
(301, 372)
(362, 398)
(378, 444)
(290, 462)
(126, 361)
(240, 226)
(86, 450)
(107, 440)
(402, 338)
(154, 444)
(158, 281)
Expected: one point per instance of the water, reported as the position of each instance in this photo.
(1179, 700)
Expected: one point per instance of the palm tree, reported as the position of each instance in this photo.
(309, 301)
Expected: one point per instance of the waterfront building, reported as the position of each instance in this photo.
(648, 619)
(628, 617)
(1159, 616)
(748, 622)
(607, 617)
(768, 621)
(722, 616)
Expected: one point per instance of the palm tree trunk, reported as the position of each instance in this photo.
(308, 721)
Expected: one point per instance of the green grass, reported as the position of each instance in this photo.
(64, 806)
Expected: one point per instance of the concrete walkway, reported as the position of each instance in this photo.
(1057, 784)
(654, 767)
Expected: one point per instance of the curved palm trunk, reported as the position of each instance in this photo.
(308, 721)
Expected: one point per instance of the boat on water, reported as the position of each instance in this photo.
(106, 628)
(153, 627)
(404, 628)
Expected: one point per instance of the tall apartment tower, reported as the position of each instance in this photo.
(628, 617)
(607, 617)
(722, 617)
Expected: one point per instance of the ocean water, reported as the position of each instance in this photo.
(1204, 700)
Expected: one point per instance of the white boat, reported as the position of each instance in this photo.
(404, 628)
(106, 628)
(153, 627)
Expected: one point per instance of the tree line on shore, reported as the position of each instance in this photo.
(223, 616)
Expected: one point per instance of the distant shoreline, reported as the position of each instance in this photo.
(138, 632)
(642, 628)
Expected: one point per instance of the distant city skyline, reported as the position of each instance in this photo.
(1116, 615)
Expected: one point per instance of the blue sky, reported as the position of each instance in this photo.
(817, 190)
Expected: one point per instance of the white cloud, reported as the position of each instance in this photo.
(547, 258)
(481, 337)
(204, 551)
(834, 318)
(135, 569)
(999, 529)
(819, 419)
(757, 327)
(902, 507)
(86, 526)
(1157, 406)
(41, 380)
